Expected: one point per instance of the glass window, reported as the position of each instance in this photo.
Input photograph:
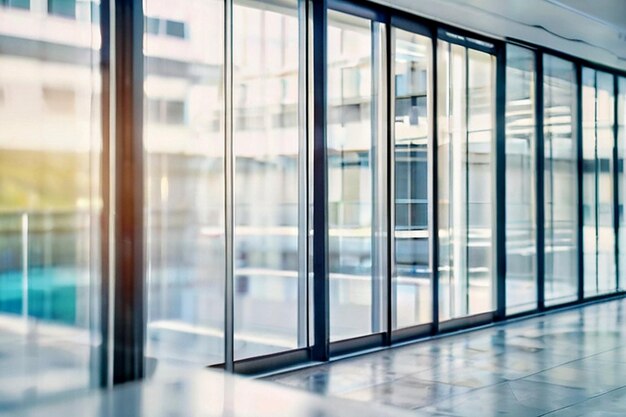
(355, 287)
(411, 289)
(598, 142)
(184, 188)
(50, 206)
(465, 156)
(270, 281)
(560, 180)
(18, 4)
(152, 25)
(521, 252)
(175, 28)
(589, 200)
(63, 8)
(605, 138)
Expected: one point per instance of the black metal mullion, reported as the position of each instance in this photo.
(129, 324)
(539, 182)
(577, 131)
(391, 191)
(615, 169)
(500, 183)
(321, 322)
(467, 181)
(434, 192)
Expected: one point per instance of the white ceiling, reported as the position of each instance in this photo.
(591, 29)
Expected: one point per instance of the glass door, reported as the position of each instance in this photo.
(411, 137)
(355, 172)
(466, 156)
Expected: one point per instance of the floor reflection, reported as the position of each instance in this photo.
(564, 363)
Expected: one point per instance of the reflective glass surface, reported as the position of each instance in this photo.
(605, 139)
(412, 288)
(50, 148)
(351, 137)
(270, 280)
(598, 142)
(466, 106)
(184, 183)
(560, 180)
(521, 281)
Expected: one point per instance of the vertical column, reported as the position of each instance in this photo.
(390, 271)
(126, 184)
(596, 178)
(500, 184)
(106, 287)
(229, 205)
(321, 320)
(303, 175)
(433, 190)
(615, 172)
(539, 184)
(380, 178)
(578, 132)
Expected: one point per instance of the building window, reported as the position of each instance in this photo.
(166, 27)
(152, 25)
(166, 111)
(175, 29)
(62, 8)
(16, 4)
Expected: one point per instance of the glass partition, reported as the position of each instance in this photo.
(466, 106)
(560, 180)
(521, 240)
(598, 143)
(184, 180)
(270, 305)
(355, 287)
(412, 286)
(50, 205)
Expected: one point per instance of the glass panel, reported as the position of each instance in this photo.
(598, 142)
(590, 213)
(184, 185)
(521, 251)
(452, 142)
(412, 291)
(606, 281)
(351, 154)
(50, 205)
(270, 314)
(18, 4)
(64, 8)
(560, 181)
(480, 207)
(175, 28)
(466, 107)
(621, 144)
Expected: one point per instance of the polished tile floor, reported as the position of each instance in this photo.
(570, 363)
(183, 392)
